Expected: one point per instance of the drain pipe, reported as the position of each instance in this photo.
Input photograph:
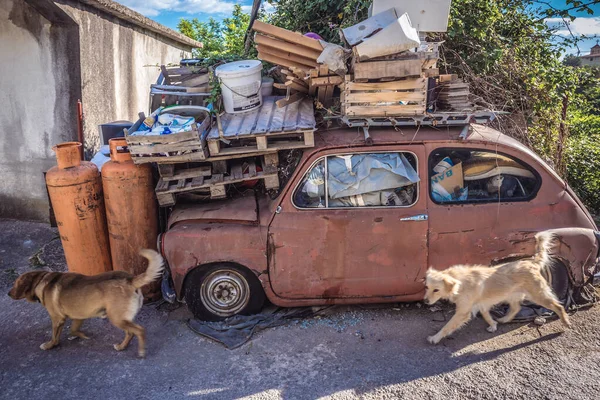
(80, 127)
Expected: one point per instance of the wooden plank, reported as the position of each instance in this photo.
(309, 139)
(296, 80)
(327, 80)
(214, 147)
(290, 122)
(261, 143)
(270, 163)
(192, 157)
(192, 173)
(323, 70)
(361, 97)
(181, 183)
(219, 167)
(387, 69)
(306, 118)
(165, 199)
(165, 74)
(218, 192)
(236, 171)
(384, 111)
(292, 99)
(407, 84)
(277, 119)
(253, 150)
(329, 96)
(280, 61)
(289, 36)
(321, 94)
(299, 88)
(164, 139)
(314, 73)
(162, 186)
(216, 178)
(197, 182)
(448, 78)
(272, 183)
(196, 80)
(307, 62)
(166, 169)
(164, 148)
(280, 46)
(252, 169)
(431, 72)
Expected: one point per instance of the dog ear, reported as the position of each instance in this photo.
(24, 286)
(452, 285)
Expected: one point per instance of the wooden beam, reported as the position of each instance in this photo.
(306, 62)
(327, 80)
(407, 84)
(286, 35)
(280, 61)
(384, 111)
(299, 88)
(384, 97)
(387, 69)
(282, 46)
(292, 99)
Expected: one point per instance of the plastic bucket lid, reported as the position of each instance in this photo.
(238, 69)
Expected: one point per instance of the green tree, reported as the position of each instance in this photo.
(221, 39)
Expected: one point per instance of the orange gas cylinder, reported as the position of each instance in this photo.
(131, 212)
(75, 191)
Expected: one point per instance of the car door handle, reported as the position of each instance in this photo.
(420, 217)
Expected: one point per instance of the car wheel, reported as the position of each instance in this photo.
(559, 279)
(223, 290)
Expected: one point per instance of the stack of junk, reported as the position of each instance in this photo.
(193, 146)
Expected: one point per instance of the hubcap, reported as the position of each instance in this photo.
(225, 292)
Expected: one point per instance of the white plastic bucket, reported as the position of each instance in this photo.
(240, 85)
(267, 86)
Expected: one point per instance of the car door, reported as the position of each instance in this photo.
(351, 246)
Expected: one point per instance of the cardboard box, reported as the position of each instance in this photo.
(451, 179)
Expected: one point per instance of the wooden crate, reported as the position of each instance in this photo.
(173, 148)
(202, 179)
(382, 99)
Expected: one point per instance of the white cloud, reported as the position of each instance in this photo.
(581, 26)
(152, 8)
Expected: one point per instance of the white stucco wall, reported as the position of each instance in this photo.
(28, 127)
(45, 67)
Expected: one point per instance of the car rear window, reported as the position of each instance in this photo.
(479, 176)
(360, 180)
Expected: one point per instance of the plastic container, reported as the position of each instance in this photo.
(131, 212)
(240, 85)
(266, 89)
(75, 190)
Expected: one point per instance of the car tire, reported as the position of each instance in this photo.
(223, 290)
(559, 281)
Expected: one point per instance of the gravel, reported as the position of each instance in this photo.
(349, 353)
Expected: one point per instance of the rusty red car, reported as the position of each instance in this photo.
(361, 223)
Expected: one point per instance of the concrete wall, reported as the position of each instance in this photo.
(51, 54)
(119, 61)
(35, 111)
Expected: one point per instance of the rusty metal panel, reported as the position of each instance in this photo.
(242, 210)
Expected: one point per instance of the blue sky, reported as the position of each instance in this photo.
(168, 13)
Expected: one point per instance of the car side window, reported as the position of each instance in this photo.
(360, 180)
(478, 176)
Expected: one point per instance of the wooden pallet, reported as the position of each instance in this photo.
(180, 147)
(394, 67)
(382, 99)
(203, 179)
(269, 128)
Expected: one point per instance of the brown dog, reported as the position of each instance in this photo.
(477, 288)
(115, 295)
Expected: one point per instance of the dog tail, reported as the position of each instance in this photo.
(154, 270)
(544, 243)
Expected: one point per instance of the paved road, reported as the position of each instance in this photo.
(353, 353)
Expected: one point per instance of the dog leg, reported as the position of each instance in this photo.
(457, 320)
(493, 325)
(75, 332)
(131, 329)
(552, 304)
(514, 309)
(123, 345)
(57, 327)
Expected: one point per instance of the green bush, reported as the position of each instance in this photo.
(583, 169)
